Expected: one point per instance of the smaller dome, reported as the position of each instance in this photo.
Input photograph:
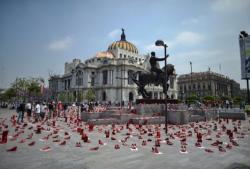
(105, 55)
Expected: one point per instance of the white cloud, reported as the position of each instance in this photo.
(114, 33)
(61, 44)
(190, 21)
(186, 38)
(230, 5)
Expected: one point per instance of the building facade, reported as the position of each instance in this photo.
(108, 74)
(207, 84)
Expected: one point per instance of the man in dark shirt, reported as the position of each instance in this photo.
(51, 109)
(21, 111)
(153, 62)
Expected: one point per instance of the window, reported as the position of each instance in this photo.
(120, 55)
(130, 73)
(111, 76)
(204, 86)
(68, 83)
(124, 56)
(65, 85)
(104, 96)
(92, 81)
(194, 86)
(199, 86)
(105, 77)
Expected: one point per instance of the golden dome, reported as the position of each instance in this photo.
(123, 44)
(105, 55)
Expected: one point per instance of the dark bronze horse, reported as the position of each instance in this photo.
(152, 78)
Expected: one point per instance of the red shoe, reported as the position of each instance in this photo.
(55, 136)
(56, 141)
(198, 144)
(229, 146)
(235, 143)
(30, 136)
(94, 148)
(67, 137)
(32, 143)
(45, 138)
(12, 149)
(209, 150)
(155, 150)
(117, 146)
(45, 149)
(169, 143)
(63, 143)
(78, 144)
(22, 141)
(221, 149)
(144, 143)
(100, 142)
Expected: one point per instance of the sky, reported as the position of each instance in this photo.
(38, 36)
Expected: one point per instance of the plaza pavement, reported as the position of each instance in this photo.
(106, 157)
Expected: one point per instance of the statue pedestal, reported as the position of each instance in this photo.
(156, 101)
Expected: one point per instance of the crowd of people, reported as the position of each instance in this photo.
(43, 111)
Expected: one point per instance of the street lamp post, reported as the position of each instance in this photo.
(191, 78)
(161, 43)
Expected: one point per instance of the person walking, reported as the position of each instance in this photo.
(21, 111)
(28, 109)
(37, 112)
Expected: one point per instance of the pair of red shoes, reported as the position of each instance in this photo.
(133, 146)
(117, 146)
(78, 144)
(155, 150)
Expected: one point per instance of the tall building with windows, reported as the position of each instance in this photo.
(207, 84)
(108, 73)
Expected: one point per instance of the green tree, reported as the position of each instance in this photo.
(90, 95)
(9, 94)
(237, 100)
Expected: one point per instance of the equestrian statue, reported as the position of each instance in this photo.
(155, 76)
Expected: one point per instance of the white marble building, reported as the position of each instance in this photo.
(108, 74)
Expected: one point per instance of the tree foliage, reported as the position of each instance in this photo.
(23, 88)
(90, 95)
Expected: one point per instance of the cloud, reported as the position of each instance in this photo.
(186, 38)
(61, 44)
(190, 21)
(230, 5)
(114, 33)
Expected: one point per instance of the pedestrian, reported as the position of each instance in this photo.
(28, 109)
(51, 108)
(21, 111)
(42, 111)
(37, 112)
